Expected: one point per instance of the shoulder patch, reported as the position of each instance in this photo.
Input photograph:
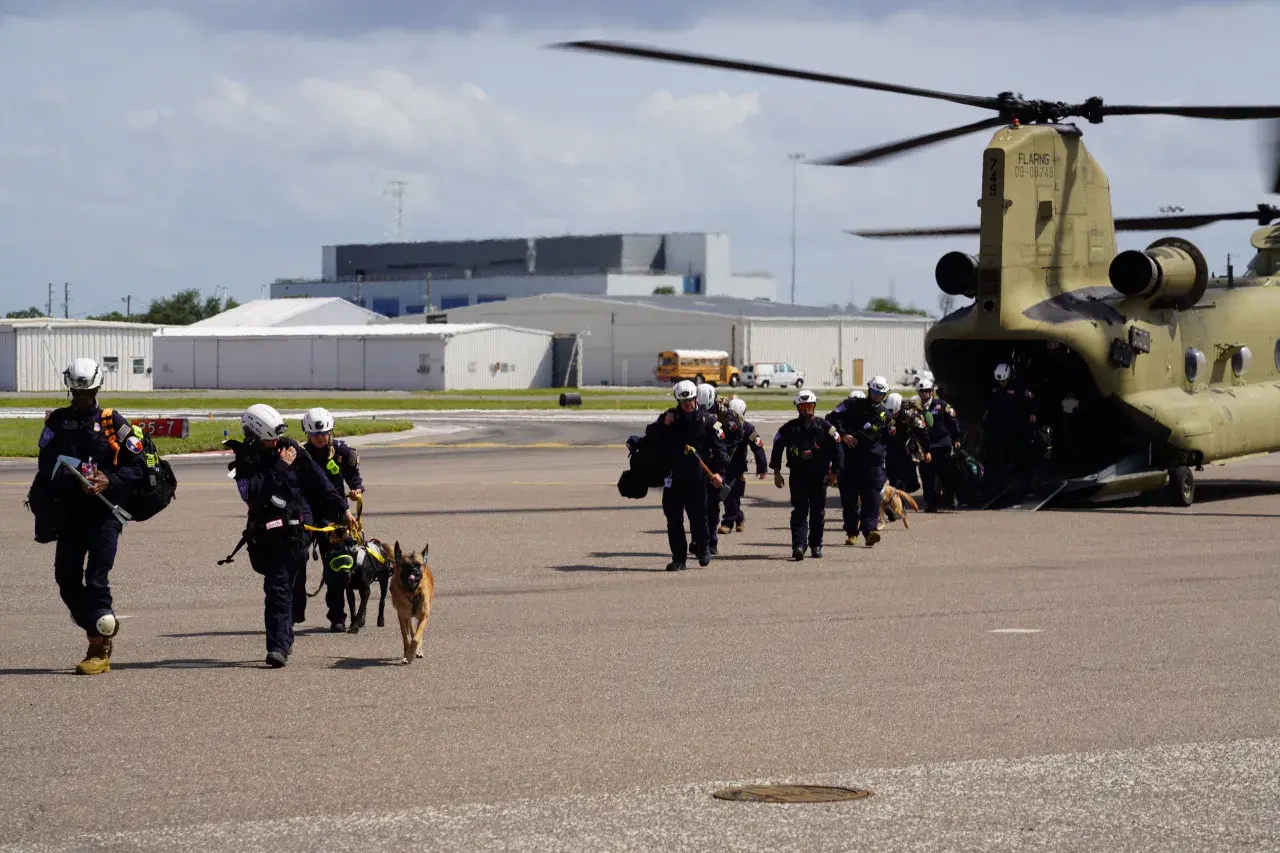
(132, 444)
(353, 458)
(777, 436)
(718, 425)
(46, 436)
(832, 432)
(243, 487)
(757, 439)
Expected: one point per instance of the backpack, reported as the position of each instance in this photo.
(643, 471)
(159, 485)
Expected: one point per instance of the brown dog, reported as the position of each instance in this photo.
(412, 589)
(891, 498)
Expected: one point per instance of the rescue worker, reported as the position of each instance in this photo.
(72, 512)
(944, 437)
(814, 455)
(863, 426)
(731, 426)
(737, 471)
(1007, 426)
(906, 445)
(341, 464)
(281, 484)
(684, 488)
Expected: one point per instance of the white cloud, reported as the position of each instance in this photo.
(144, 154)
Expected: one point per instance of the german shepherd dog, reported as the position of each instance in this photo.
(413, 586)
(892, 499)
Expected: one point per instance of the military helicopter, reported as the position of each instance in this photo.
(1153, 354)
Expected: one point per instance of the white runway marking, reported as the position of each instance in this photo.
(1015, 631)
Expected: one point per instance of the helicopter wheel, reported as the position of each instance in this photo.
(1182, 486)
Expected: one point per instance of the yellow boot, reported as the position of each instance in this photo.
(851, 540)
(739, 527)
(97, 660)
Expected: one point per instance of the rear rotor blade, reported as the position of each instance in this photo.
(640, 51)
(1221, 112)
(959, 230)
(880, 152)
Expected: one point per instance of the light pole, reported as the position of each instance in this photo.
(795, 160)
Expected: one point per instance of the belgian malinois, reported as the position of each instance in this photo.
(893, 499)
(412, 589)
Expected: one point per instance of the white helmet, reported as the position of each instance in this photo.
(924, 385)
(263, 422)
(317, 420)
(893, 403)
(806, 396)
(878, 385)
(739, 406)
(857, 394)
(1003, 372)
(684, 390)
(84, 374)
(706, 396)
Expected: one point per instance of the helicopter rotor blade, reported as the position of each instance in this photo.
(643, 52)
(881, 152)
(957, 231)
(1229, 113)
(1273, 156)
(1263, 214)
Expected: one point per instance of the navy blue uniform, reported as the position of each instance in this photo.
(685, 491)
(731, 426)
(280, 498)
(862, 477)
(1007, 428)
(944, 434)
(341, 464)
(738, 471)
(813, 451)
(83, 524)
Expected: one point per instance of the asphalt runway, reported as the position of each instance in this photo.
(1102, 679)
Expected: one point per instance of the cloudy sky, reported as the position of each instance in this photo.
(221, 143)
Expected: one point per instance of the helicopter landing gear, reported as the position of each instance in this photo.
(1182, 486)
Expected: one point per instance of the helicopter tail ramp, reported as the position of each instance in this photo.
(1128, 477)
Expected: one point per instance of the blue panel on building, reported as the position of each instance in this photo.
(447, 302)
(387, 307)
(415, 309)
(482, 298)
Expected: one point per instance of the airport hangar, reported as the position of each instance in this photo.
(620, 337)
(397, 279)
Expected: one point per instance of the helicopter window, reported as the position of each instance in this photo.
(1193, 363)
(1240, 361)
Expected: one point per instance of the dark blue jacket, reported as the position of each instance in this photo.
(812, 446)
(340, 463)
(869, 424)
(674, 429)
(738, 459)
(261, 475)
(81, 433)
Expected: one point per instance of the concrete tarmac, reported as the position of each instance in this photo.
(1062, 680)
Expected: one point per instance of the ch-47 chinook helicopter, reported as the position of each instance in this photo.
(1155, 355)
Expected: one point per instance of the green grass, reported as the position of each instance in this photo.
(613, 399)
(19, 436)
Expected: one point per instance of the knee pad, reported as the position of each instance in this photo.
(108, 625)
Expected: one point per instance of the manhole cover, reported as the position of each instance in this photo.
(790, 794)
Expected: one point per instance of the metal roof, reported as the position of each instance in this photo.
(71, 323)
(269, 312)
(725, 306)
(384, 330)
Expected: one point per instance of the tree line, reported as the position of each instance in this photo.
(181, 309)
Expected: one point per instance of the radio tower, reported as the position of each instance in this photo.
(395, 189)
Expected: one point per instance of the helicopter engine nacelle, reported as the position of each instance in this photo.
(957, 274)
(1171, 272)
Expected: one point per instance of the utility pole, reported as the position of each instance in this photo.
(66, 300)
(48, 310)
(795, 160)
(395, 189)
(428, 307)
(128, 306)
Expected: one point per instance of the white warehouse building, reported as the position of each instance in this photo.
(624, 335)
(34, 352)
(436, 357)
(295, 311)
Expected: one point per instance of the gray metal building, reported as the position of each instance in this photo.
(621, 337)
(395, 279)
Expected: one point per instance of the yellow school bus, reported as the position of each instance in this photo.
(701, 365)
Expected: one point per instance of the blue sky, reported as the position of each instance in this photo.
(221, 144)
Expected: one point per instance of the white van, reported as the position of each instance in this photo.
(771, 373)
